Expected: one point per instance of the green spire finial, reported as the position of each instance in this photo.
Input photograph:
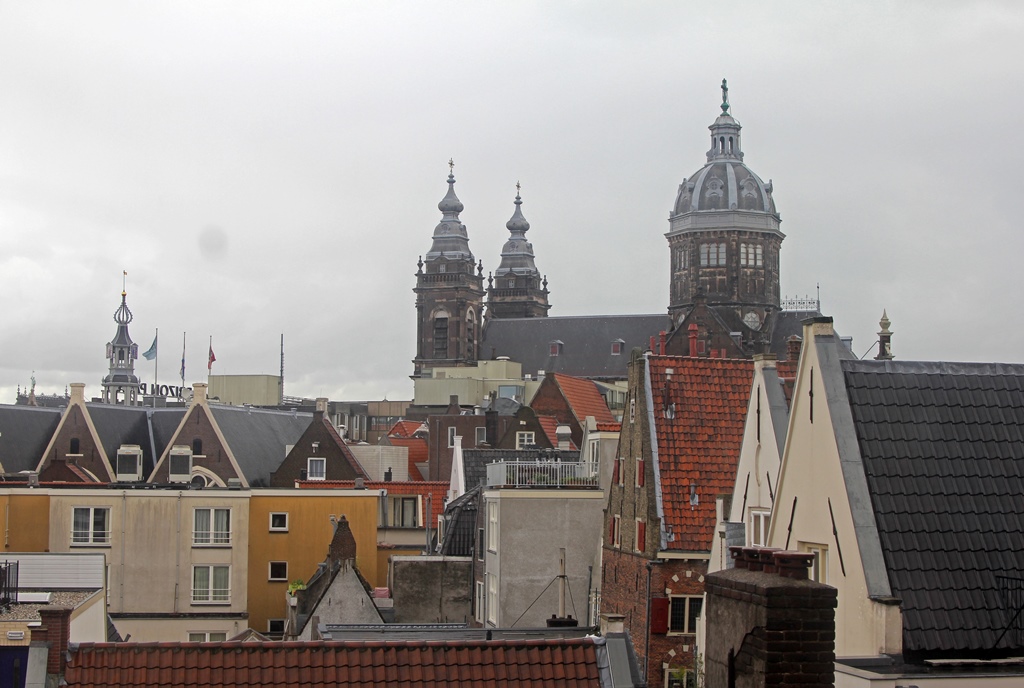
(725, 97)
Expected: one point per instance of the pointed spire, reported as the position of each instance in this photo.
(725, 132)
(725, 97)
(517, 253)
(518, 224)
(450, 236)
(884, 339)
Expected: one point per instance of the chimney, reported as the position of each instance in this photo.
(388, 475)
(56, 623)
(491, 423)
(884, 339)
(692, 332)
(793, 345)
(199, 393)
(77, 392)
(613, 623)
(321, 405)
(564, 435)
(343, 544)
(763, 613)
(661, 342)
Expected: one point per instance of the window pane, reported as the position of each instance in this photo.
(100, 532)
(80, 529)
(201, 583)
(696, 603)
(222, 526)
(201, 535)
(197, 637)
(218, 637)
(221, 584)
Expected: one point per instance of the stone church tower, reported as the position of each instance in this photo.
(121, 385)
(516, 289)
(724, 242)
(449, 294)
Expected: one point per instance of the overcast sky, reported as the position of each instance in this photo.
(268, 168)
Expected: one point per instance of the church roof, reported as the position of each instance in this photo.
(517, 254)
(584, 343)
(451, 239)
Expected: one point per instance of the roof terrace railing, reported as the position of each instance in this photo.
(8, 584)
(542, 474)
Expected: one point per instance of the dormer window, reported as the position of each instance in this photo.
(75, 447)
(197, 447)
(443, 267)
(511, 284)
(617, 347)
(316, 469)
(555, 348)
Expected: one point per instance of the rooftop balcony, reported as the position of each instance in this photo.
(543, 474)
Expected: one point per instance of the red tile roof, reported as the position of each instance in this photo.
(566, 663)
(584, 398)
(418, 453)
(786, 371)
(549, 424)
(609, 427)
(698, 439)
(436, 488)
(404, 428)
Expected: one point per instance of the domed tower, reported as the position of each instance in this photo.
(724, 241)
(449, 293)
(121, 386)
(516, 289)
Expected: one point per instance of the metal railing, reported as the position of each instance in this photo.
(1011, 590)
(8, 584)
(541, 474)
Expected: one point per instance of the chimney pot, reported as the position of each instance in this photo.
(77, 392)
(199, 393)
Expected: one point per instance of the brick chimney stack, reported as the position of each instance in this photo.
(692, 332)
(769, 628)
(794, 343)
(77, 392)
(55, 630)
(199, 393)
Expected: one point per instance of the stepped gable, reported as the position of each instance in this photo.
(699, 410)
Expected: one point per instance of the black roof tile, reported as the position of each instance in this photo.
(24, 433)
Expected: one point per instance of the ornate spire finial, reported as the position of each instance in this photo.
(519, 187)
(451, 165)
(124, 283)
(725, 97)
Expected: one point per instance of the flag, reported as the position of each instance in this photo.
(182, 360)
(150, 353)
(209, 365)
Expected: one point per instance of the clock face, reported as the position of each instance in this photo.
(752, 320)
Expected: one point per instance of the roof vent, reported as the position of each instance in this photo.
(180, 464)
(234, 483)
(129, 463)
(33, 479)
(360, 484)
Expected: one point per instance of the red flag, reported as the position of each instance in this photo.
(209, 365)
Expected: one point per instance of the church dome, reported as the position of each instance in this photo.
(725, 182)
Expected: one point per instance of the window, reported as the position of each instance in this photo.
(441, 337)
(279, 521)
(615, 532)
(278, 571)
(211, 584)
(443, 267)
(207, 636)
(470, 335)
(632, 410)
(617, 347)
(492, 526)
(316, 468)
(554, 348)
(75, 446)
(683, 613)
(451, 437)
(819, 565)
(478, 603)
(617, 472)
(525, 439)
(639, 471)
(404, 512)
(481, 435)
(640, 542)
(712, 254)
(480, 544)
(211, 527)
(492, 599)
(511, 284)
(275, 626)
(90, 525)
(197, 447)
(759, 528)
(751, 255)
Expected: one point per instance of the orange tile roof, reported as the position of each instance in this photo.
(566, 663)
(436, 488)
(609, 427)
(404, 428)
(786, 371)
(698, 440)
(549, 424)
(584, 399)
(418, 453)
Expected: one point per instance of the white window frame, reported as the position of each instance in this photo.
(818, 570)
(214, 537)
(283, 623)
(479, 602)
(492, 526)
(492, 599)
(309, 468)
(396, 511)
(270, 571)
(191, 635)
(617, 531)
(525, 438)
(211, 595)
(481, 434)
(757, 535)
(91, 537)
(688, 620)
(278, 529)
(452, 432)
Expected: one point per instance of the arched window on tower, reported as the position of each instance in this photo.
(471, 335)
(441, 336)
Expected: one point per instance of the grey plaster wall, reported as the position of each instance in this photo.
(432, 589)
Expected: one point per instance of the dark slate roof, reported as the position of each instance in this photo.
(943, 452)
(25, 431)
(789, 323)
(165, 423)
(586, 342)
(258, 438)
(460, 516)
(117, 425)
(474, 461)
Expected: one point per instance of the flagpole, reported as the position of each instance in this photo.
(183, 364)
(156, 362)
